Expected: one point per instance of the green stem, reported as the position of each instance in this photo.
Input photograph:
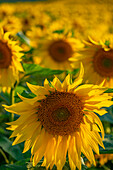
(12, 92)
(4, 155)
(12, 102)
(4, 99)
(12, 114)
(105, 167)
(71, 79)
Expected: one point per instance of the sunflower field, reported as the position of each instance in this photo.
(56, 85)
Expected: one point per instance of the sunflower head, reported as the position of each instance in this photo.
(60, 119)
(10, 58)
(56, 50)
(9, 24)
(97, 59)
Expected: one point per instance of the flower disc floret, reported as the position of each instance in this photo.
(5, 55)
(61, 113)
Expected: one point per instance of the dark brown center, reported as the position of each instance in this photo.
(61, 113)
(5, 55)
(60, 50)
(103, 62)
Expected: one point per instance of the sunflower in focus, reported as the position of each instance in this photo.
(60, 119)
(97, 59)
(10, 58)
(55, 51)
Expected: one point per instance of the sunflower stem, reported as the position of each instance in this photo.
(4, 99)
(12, 102)
(12, 114)
(12, 99)
(4, 155)
(71, 79)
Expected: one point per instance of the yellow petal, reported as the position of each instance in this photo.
(56, 83)
(61, 156)
(38, 90)
(18, 107)
(40, 153)
(47, 86)
(33, 100)
(66, 82)
(39, 142)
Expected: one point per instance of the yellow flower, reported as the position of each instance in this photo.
(101, 158)
(97, 59)
(6, 10)
(60, 119)
(34, 34)
(55, 51)
(104, 158)
(10, 58)
(11, 24)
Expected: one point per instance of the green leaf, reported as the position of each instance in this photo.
(12, 167)
(23, 38)
(36, 69)
(74, 72)
(4, 97)
(14, 151)
(84, 167)
(107, 42)
(59, 31)
(95, 168)
(22, 162)
(24, 94)
(28, 94)
(107, 117)
(109, 90)
(19, 89)
(108, 143)
(3, 131)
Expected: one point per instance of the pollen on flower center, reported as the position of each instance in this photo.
(60, 50)
(5, 55)
(61, 113)
(103, 62)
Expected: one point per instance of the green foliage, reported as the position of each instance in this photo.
(13, 151)
(31, 69)
(108, 143)
(109, 90)
(59, 31)
(13, 167)
(107, 42)
(107, 117)
(4, 97)
(22, 164)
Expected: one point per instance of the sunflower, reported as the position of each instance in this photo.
(101, 159)
(55, 51)
(10, 58)
(104, 158)
(97, 59)
(11, 24)
(6, 10)
(34, 34)
(60, 119)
